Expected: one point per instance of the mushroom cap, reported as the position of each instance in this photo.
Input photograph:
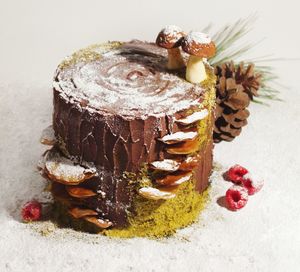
(198, 44)
(170, 37)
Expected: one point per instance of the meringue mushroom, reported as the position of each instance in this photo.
(48, 136)
(175, 179)
(170, 38)
(165, 165)
(99, 222)
(77, 212)
(198, 45)
(63, 170)
(178, 137)
(155, 194)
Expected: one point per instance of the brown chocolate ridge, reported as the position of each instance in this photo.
(115, 195)
(115, 146)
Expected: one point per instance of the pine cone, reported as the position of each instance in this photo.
(236, 87)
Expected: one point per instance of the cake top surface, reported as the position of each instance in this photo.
(128, 79)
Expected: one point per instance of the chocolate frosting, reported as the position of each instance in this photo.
(111, 111)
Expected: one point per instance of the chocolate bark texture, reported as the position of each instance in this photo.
(96, 124)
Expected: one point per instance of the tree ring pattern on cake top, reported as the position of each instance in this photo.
(130, 80)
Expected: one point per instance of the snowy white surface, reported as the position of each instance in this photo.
(198, 38)
(264, 236)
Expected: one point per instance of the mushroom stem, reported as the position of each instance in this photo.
(195, 70)
(175, 60)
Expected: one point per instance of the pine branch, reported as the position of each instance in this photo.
(227, 37)
(229, 48)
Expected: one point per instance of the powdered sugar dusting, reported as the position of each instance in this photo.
(196, 116)
(198, 37)
(165, 165)
(182, 180)
(171, 30)
(155, 194)
(65, 169)
(241, 190)
(256, 181)
(128, 82)
(179, 136)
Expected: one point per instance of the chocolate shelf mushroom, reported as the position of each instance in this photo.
(198, 45)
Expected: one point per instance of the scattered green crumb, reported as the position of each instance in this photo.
(89, 53)
(44, 228)
(217, 167)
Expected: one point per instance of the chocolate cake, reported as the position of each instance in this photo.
(132, 147)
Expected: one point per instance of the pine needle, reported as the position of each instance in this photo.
(229, 48)
(228, 36)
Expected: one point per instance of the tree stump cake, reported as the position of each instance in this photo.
(132, 141)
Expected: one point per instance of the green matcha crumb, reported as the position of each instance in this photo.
(88, 54)
(162, 218)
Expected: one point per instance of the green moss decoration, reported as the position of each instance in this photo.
(162, 218)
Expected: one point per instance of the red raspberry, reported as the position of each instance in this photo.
(31, 211)
(236, 197)
(236, 173)
(253, 185)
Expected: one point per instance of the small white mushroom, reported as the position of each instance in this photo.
(170, 38)
(198, 45)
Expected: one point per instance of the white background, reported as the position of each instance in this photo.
(264, 236)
